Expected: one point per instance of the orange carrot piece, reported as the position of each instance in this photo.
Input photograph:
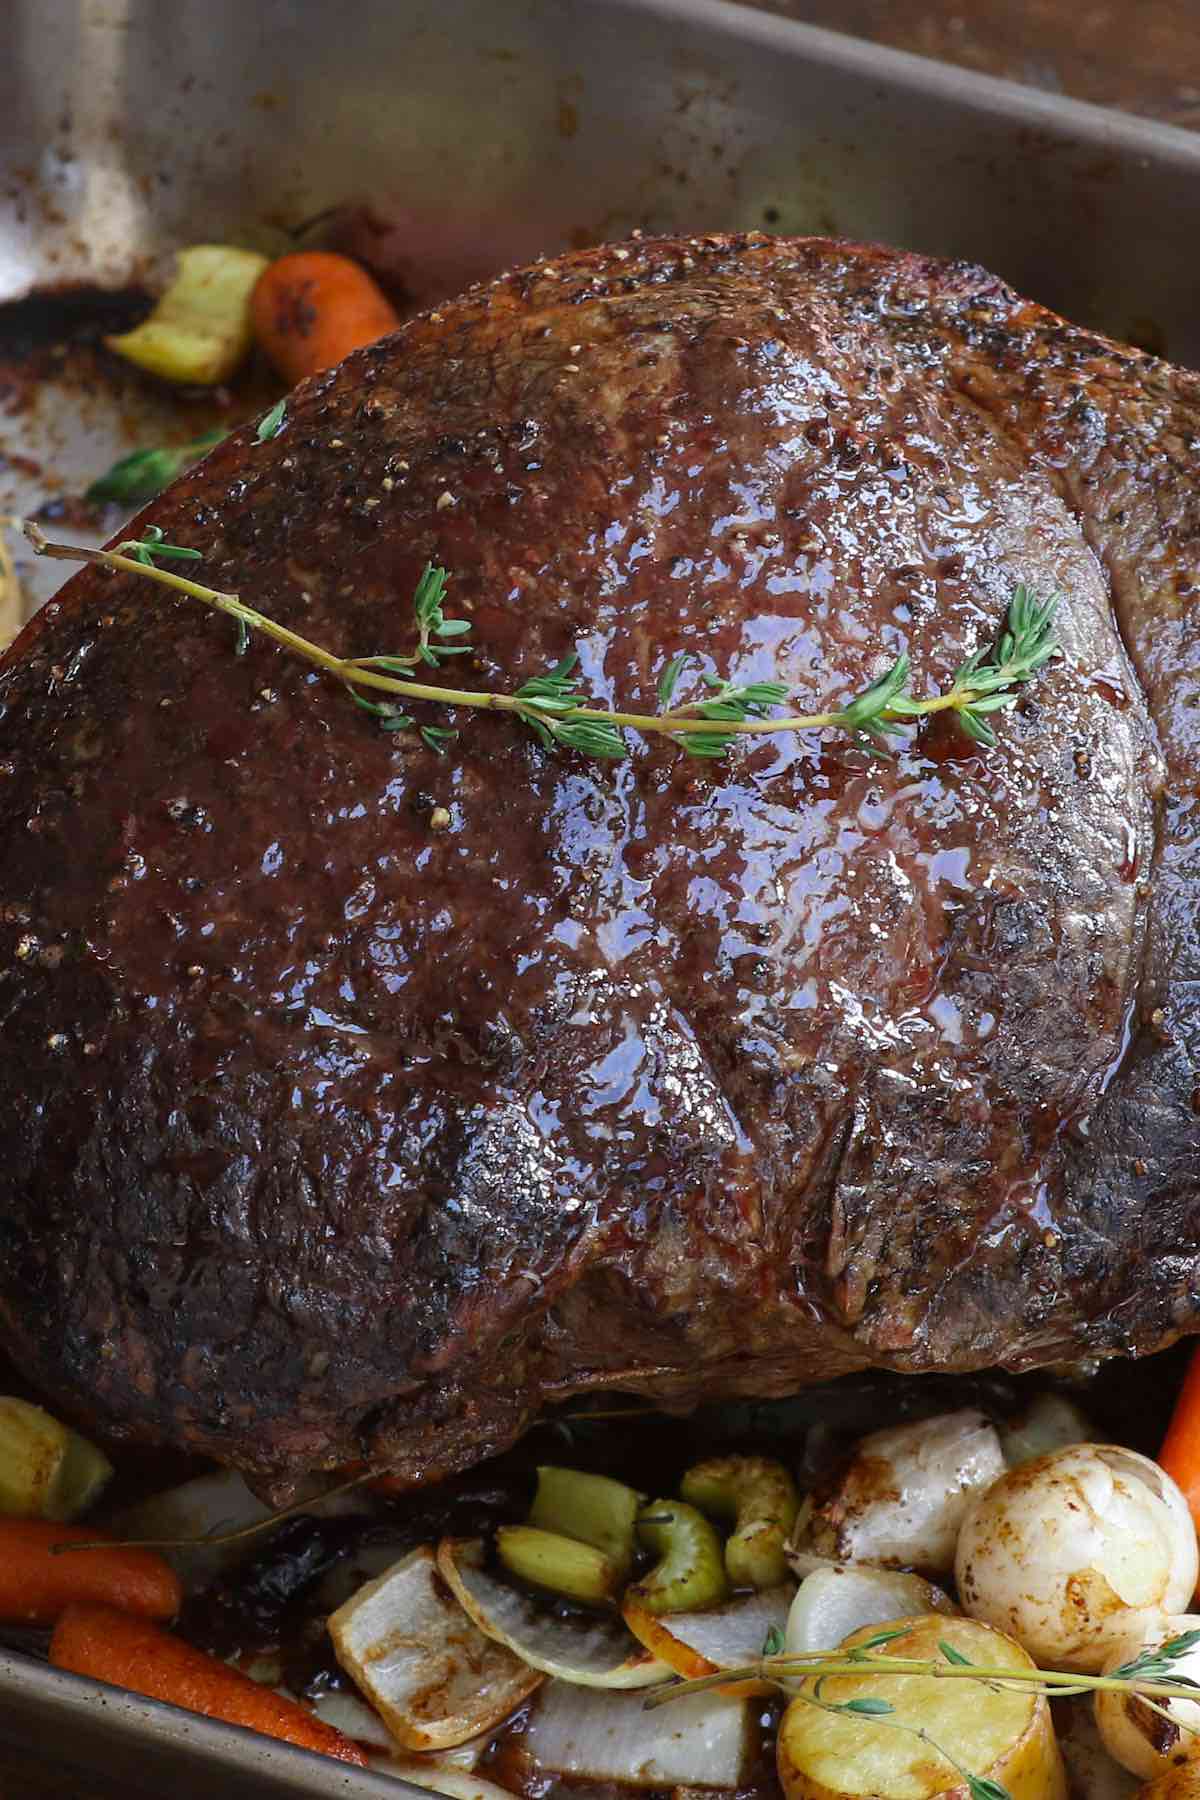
(134, 1653)
(312, 308)
(1180, 1454)
(36, 1584)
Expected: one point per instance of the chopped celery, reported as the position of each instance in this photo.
(690, 1572)
(593, 1508)
(562, 1564)
(758, 1496)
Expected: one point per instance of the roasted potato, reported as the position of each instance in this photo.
(947, 1726)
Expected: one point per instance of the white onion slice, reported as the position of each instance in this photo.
(833, 1602)
(720, 1637)
(431, 1675)
(597, 1651)
(699, 1740)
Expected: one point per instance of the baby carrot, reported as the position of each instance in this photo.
(312, 308)
(1180, 1454)
(134, 1653)
(36, 1584)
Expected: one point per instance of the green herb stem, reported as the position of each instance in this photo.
(551, 704)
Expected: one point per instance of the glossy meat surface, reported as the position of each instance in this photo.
(325, 1134)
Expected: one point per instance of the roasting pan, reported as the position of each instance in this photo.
(492, 130)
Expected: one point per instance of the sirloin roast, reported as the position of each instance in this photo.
(358, 1102)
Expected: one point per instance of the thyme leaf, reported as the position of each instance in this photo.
(272, 423)
(556, 709)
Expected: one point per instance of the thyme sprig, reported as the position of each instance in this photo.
(1149, 1677)
(555, 707)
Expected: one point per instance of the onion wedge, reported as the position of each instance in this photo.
(434, 1679)
(719, 1637)
(597, 1651)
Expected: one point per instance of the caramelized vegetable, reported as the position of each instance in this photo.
(200, 329)
(928, 1733)
(690, 1571)
(313, 308)
(47, 1471)
(562, 1564)
(593, 1508)
(38, 1579)
(133, 1653)
(758, 1496)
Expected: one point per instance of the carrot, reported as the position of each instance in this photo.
(36, 1584)
(312, 308)
(1180, 1454)
(134, 1653)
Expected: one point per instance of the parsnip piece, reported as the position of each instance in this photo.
(200, 329)
(699, 1740)
(432, 1676)
(47, 1471)
(1002, 1734)
(1076, 1550)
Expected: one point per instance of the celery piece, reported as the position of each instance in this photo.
(593, 1508)
(758, 1496)
(690, 1572)
(562, 1564)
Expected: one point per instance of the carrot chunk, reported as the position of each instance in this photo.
(312, 308)
(135, 1653)
(36, 1584)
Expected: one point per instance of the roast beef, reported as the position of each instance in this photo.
(359, 1101)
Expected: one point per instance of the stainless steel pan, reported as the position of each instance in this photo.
(491, 130)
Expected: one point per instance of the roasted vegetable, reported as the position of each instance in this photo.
(1050, 1422)
(835, 1601)
(135, 1653)
(901, 1500)
(312, 308)
(431, 1674)
(562, 1564)
(593, 1508)
(39, 1578)
(47, 1471)
(1141, 1739)
(1076, 1550)
(948, 1728)
(690, 1571)
(590, 1651)
(758, 1497)
(728, 1636)
(199, 330)
(699, 1741)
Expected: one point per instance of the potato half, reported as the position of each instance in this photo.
(1004, 1734)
